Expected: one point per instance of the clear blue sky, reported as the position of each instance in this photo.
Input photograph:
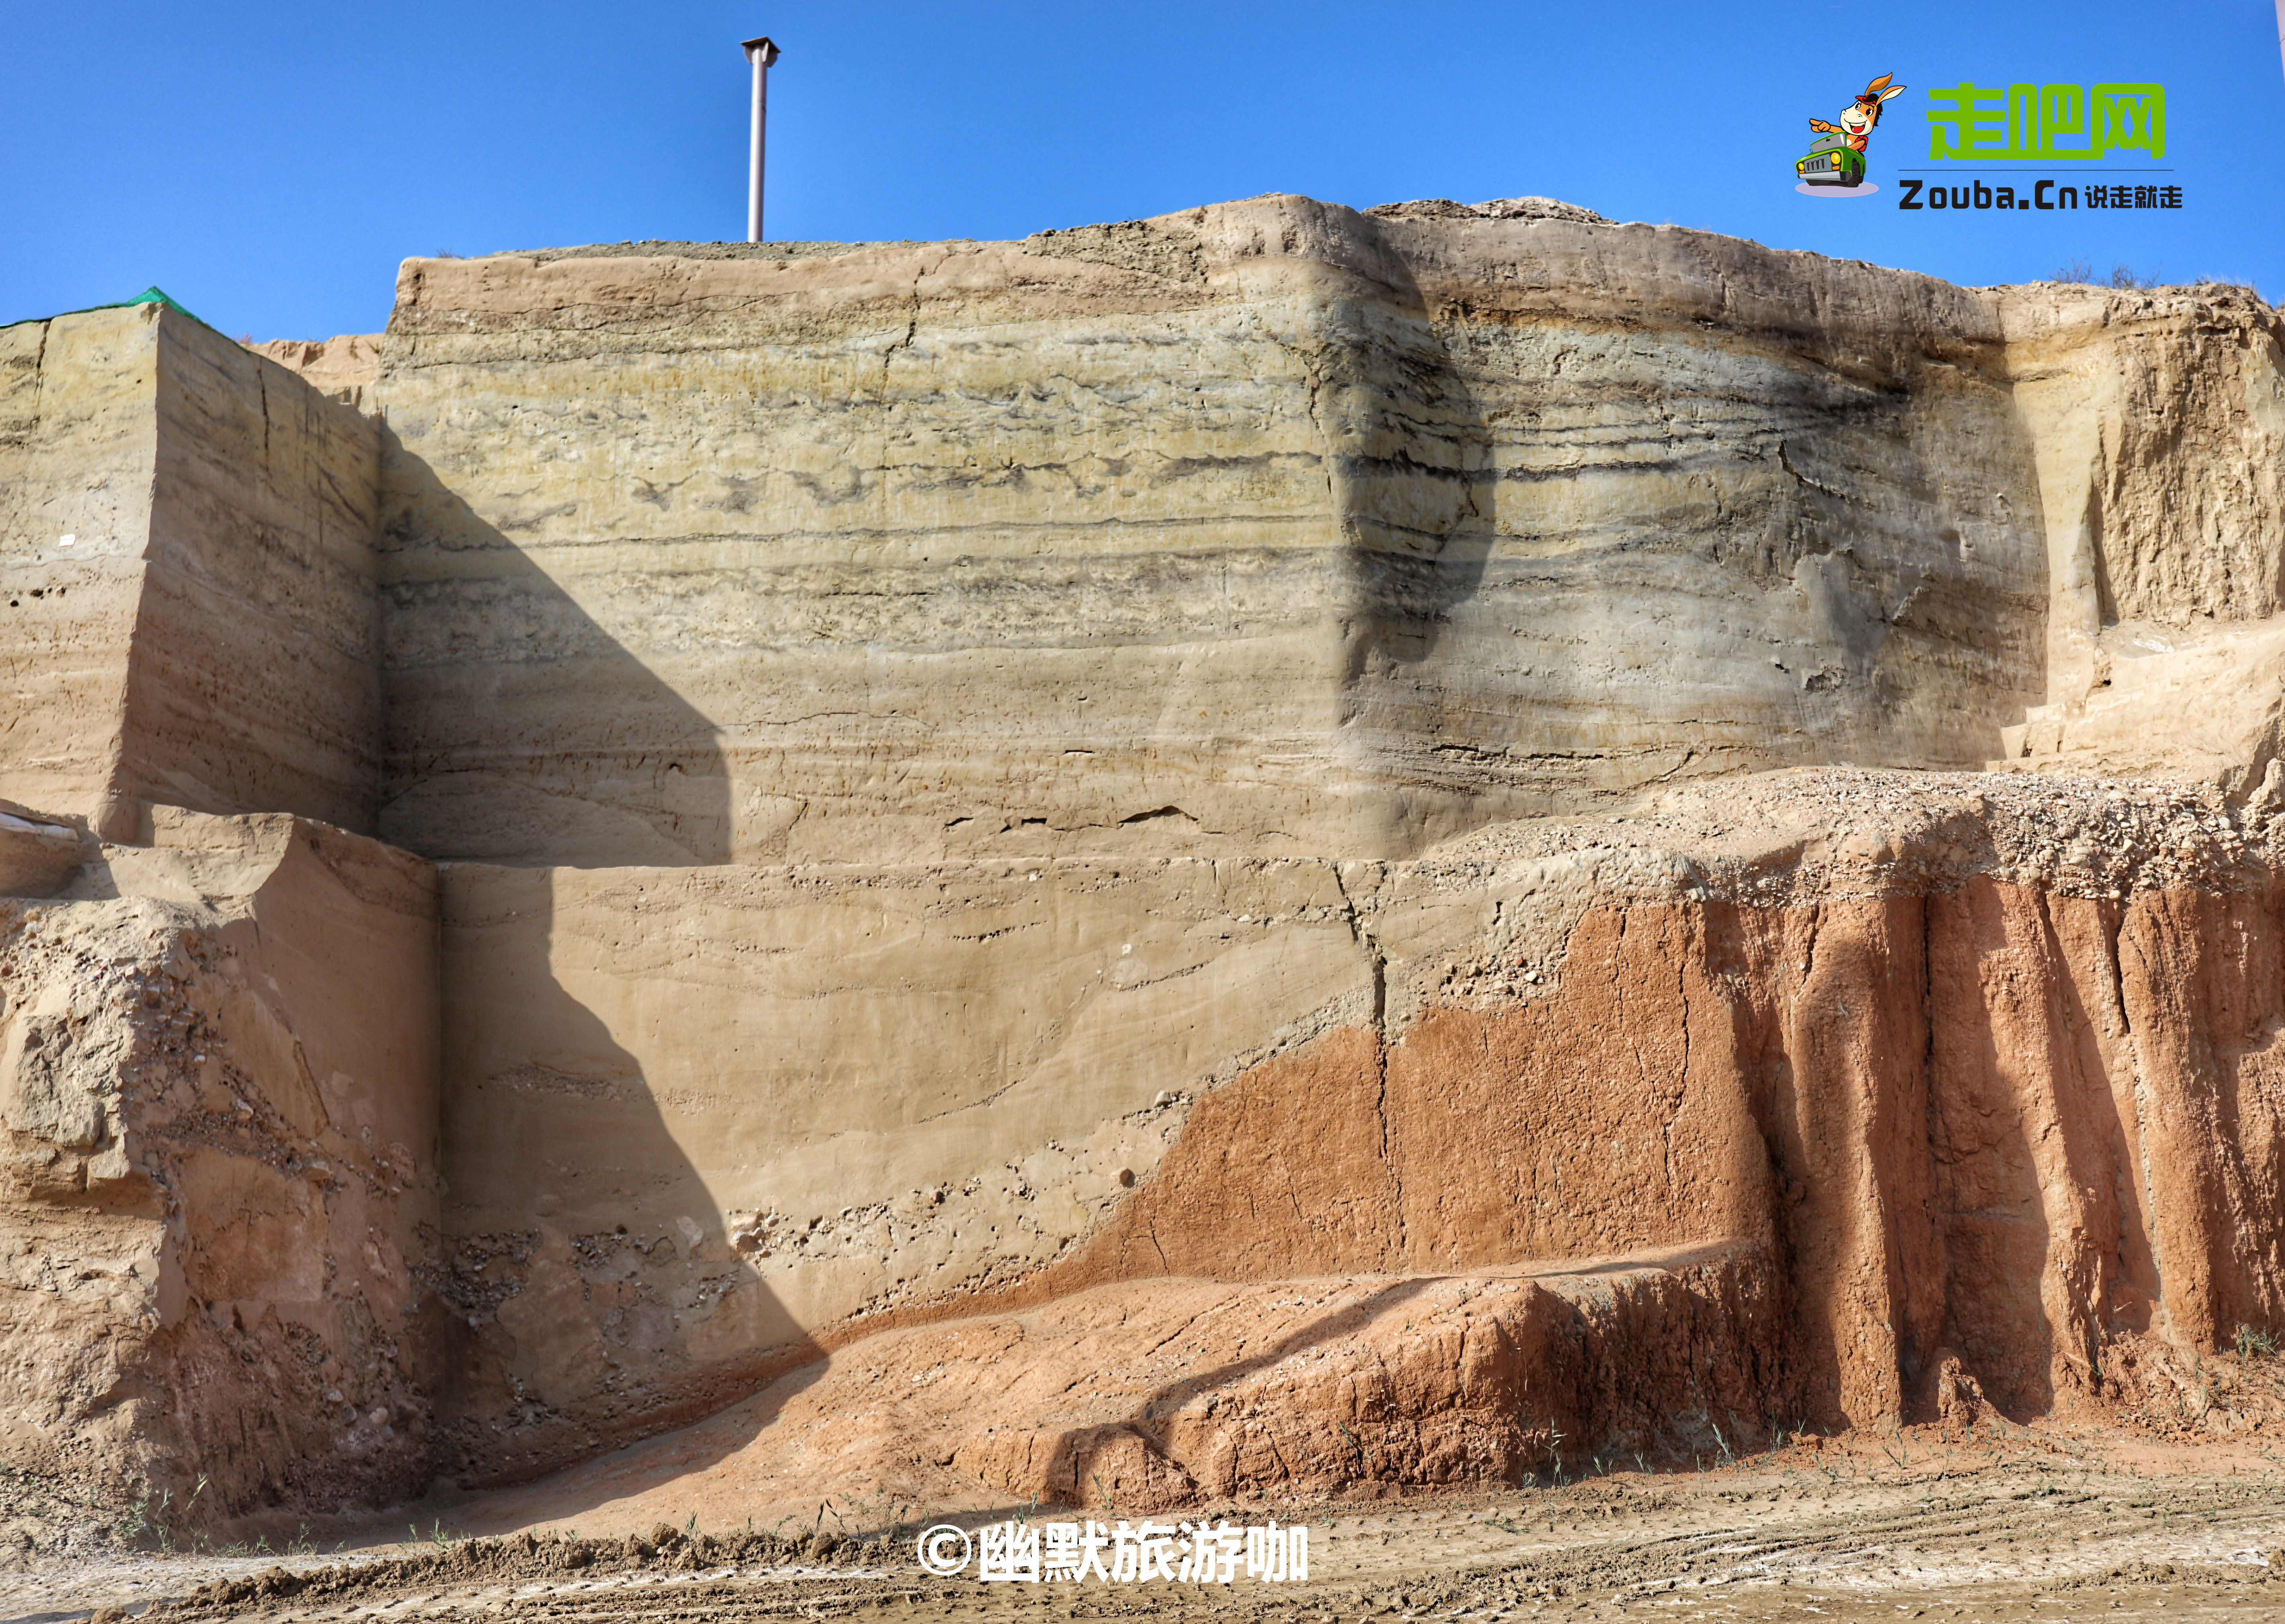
(268, 164)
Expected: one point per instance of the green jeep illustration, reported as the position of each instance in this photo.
(1832, 162)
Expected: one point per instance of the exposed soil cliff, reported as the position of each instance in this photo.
(1317, 847)
(219, 1196)
(1971, 1077)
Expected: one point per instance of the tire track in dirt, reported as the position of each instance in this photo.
(1993, 1544)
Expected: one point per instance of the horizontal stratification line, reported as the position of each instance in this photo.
(876, 536)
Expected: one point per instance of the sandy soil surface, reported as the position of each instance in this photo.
(1984, 1527)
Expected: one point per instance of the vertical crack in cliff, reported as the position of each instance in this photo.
(2118, 989)
(1324, 441)
(1785, 461)
(912, 331)
(39, 378)
(1376, 960)
(1313, 375)
(2155, 1233)
(1387, 1156)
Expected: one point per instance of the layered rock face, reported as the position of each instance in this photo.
(187, 545)
(1974, 1072)
(1201, 777)
(1268, 527)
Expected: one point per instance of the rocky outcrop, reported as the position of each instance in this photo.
(1164, 1393)
(2165, 583)
(219, 1196)
(1271, 759)
(187, 549)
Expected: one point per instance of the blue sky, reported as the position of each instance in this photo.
(268, 164)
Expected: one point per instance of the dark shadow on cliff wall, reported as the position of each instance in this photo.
(600, 1298)
(603, 1297)
(1406, 440)
(519, 731)
(1867, 524)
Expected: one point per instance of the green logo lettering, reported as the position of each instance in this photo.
(1982, 121)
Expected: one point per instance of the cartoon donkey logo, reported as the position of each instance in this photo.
(1837, 158)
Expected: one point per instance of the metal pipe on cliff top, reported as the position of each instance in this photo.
(761, 52)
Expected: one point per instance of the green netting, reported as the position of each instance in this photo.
(157, 295)
(153, 294)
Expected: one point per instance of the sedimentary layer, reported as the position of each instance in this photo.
(1264, 528)
(186, 576)
(1977, 1070)
(1272, 759)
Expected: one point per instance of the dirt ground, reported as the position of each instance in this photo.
(1985, 1528)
